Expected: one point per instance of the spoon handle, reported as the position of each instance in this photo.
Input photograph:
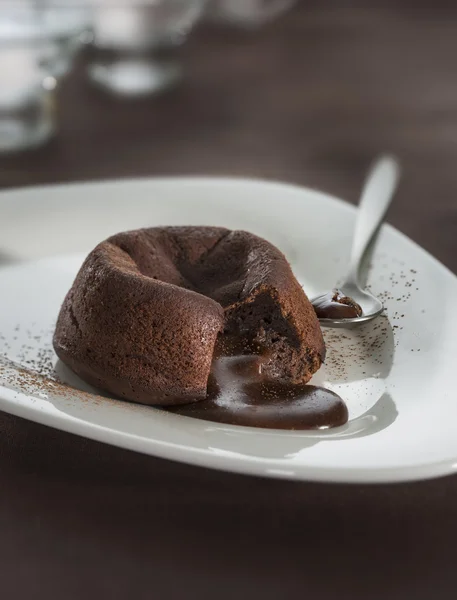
(377, 194)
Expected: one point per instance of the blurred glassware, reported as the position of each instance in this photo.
(247, 13)
(135, 43)
(27, 91)
(69, 25)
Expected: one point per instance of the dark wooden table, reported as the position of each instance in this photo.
(311, 99)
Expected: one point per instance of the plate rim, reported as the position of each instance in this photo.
(201, 179)
(244, 466)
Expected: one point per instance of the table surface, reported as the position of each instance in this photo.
(311, 99)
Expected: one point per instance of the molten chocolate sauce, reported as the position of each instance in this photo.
(239, 394)
(335, 305)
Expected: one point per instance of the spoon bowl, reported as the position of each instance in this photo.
(371, 307)
(376, 197)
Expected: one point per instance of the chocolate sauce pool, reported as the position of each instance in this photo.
(238, 394)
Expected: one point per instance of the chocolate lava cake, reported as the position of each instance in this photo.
(150, 309)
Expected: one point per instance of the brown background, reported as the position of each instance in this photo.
(311, 99)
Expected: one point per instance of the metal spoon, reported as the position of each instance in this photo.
(376, 196)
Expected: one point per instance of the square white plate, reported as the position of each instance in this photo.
(396, 373)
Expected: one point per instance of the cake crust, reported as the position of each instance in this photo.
(149, 307)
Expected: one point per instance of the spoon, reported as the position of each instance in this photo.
(377, 194)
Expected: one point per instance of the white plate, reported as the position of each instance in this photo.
(396, 374)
